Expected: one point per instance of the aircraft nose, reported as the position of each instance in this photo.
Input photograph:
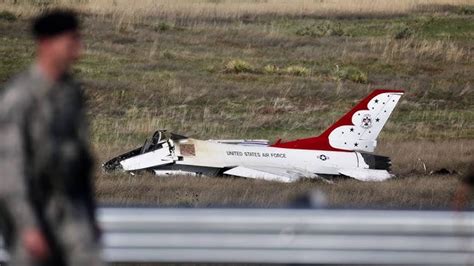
(112, 165)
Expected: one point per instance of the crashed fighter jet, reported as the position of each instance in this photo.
(344, 149)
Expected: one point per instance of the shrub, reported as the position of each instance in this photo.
(169, 54)
(163, 26)
(466, 10)
(7, 16)
(351, 73)
(271, 69)
(325, 28)
(238, 66)
(404, 33)
(297, 70)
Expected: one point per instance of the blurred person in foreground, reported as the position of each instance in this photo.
(462, 198)
(47, 209)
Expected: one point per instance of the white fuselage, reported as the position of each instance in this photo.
(214, 154)
(191, 156)
(342, 149)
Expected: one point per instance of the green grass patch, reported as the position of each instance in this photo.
(448, 27)
(7, 16)
(465, 10)
(322, 29)
(423, 26)
(15, 55)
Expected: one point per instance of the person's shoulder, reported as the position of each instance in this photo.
(25, 77)
(16, 94)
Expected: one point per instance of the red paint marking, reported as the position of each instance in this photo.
(321, 142)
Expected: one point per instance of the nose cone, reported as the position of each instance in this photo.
(112, 165)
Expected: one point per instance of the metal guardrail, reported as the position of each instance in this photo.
(287, 236)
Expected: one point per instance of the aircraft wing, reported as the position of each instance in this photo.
(269, 173)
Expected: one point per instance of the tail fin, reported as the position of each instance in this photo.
(357, 130)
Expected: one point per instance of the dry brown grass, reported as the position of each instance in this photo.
(412, 49)
(238, 9)
(415, 186)
(154, 65)
(415, 192)
(422, 157)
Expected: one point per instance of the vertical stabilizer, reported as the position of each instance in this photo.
(357, 130)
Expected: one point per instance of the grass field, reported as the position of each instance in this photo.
(270, 69)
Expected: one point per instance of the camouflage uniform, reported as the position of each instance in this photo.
(469, 176)
(45, 170)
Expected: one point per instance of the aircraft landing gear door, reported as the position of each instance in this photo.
(161, 156)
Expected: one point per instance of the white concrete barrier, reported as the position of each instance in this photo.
(287, 236)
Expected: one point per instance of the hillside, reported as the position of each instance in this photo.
(230, 71)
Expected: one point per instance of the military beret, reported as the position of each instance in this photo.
(54, 22)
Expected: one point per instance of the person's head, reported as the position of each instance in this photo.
(58, 39)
